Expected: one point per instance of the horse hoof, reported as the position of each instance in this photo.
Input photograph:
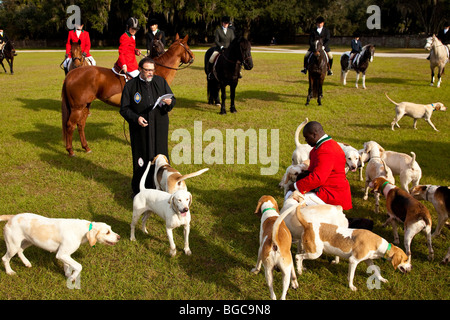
(88, 150)
(233, 110)
(222, 112)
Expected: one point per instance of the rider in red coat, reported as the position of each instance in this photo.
(78, 34)
(127, 49)
(326, 170)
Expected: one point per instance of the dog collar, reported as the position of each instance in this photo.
(387, 251)
(90, 228)
(267, 209)
(383, 185)
(434, 109)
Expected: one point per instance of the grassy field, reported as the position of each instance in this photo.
(36, 175)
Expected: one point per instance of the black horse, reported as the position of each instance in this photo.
(226, 71)
(8, 53)
(359, 64)
(317, 69)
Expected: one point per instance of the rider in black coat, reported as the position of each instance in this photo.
(319, 32)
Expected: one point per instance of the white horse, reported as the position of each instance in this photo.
(439, 55)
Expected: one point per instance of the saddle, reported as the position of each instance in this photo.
(118, 70)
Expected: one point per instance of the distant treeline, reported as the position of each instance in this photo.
(259, 20)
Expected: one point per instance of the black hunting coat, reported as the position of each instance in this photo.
(325, 35)
(138, 99)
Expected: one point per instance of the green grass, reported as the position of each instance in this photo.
(36, 175)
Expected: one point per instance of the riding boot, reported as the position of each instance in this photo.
(209, 70)
(304, 65)
(330, 73)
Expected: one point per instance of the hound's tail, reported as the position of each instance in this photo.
(144, 177)
(390, 99)
(6, 217)
(412, 160)
(193, 174)
(297, 132)
(277, 223)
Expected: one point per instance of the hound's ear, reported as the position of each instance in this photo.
(258, 208)
(92, 236)
(170, 199)
(190, 199)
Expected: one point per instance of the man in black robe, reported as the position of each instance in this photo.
(149, 124)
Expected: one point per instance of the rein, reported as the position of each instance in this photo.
(181, 63)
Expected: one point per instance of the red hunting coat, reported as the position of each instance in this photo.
(127, 52)
(85, 42)
(327, 175)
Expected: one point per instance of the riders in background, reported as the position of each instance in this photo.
(356, 48)
(127, 49)
(444, 34)
(3, 40)
(319, 32)
(154, 32)
(78, 34)
(222, 38)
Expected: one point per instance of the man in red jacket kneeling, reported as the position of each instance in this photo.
(326, 181)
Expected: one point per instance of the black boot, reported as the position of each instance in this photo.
(330, 73)
(304, 65)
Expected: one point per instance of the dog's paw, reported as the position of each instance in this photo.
(254, 271)
(187, 251)
(173, 252)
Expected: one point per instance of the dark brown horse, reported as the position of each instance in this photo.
(78, 58)
(317, 69)
(8, 53)
(85, 84)
(226, 71)
(156, 47)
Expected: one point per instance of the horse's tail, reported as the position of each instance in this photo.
(390, 99)
(65, 110)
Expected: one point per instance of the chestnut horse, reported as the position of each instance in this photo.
(85, 84)
(78, 59)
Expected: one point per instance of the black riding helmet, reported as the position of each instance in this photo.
(133, 23)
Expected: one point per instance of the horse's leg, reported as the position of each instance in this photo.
(232, 95)
(439, 76)
(357, 79)
(74, 119)
(1, 62)
(364, 80)
(320, 93)
(308, 97)
(223, 96)
(432, 77)
(81, 125)
(10, 65)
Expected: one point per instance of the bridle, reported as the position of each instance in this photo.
(181, 62)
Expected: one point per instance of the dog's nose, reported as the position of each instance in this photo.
(185, 210)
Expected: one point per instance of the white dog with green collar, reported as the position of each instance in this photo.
(63, 236)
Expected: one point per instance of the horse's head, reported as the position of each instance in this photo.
(75, 52)
(318, 46)
(157, 47)
(9, 47)
(428, 43)
(246, 54)
(187, 55)
(368, 52)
